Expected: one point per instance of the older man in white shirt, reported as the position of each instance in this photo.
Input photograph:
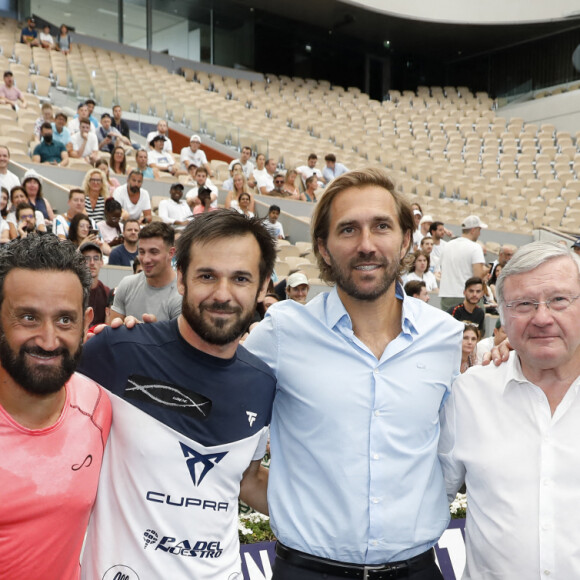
(511, 432)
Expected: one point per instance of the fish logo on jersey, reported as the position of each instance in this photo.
(199, 464)
(168, 395)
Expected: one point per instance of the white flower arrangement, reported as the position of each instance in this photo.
(458, 507)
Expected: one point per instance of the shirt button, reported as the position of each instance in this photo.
(546, 527)
(374, 543)
(376, 371)
(375, 499)
(377, 413)
(375, 455)
(547, 572)
(547, 482)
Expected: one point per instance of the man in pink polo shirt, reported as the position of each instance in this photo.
(54, 423)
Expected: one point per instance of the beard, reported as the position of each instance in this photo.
(344, 280)
(134, 189)
(217, 331)
(40, 379)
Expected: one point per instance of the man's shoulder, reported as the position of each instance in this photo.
(246, 357)
(87, 395)
(484, 382)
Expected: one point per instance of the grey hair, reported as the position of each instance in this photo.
(528, 258)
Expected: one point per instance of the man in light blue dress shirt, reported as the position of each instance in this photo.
(356, 489)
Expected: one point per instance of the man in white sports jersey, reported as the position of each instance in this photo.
(191, 415)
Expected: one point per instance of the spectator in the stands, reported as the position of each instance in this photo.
(290, 185)
(29, 34)
(45, 38)
(111, 228)
(244, 161)
(82, 113)
(32, 184)
(119, 161)
(134, 200)
(259, 171)
(63, 41)
(112, 182)
(235, 167)
(160, 159)
(46, 116)
(91, 108)
(417, 289)
(96, 191)
(279, 190)
(332, 169)
(162, 129)
(84, 144)
(109, 137)
(48, 150)
(204, 205)
(468, 310)
(311, 187)
(266, 181)
(76, 205)
(17, 197)
(423, 229)
(119, 123)
(272, 224)
(239, 186)
(60, 132)
(419, 270)
(175, 211)
(297, 287)
(7, 178)
(4, 227)
(99, 294)
(124, 254)
(202, 184)
(468, 345)
(26, 221)
(79, 230)
(244, 205)
(194, 154)
(310, 169)
(11, 95)
(142, 165)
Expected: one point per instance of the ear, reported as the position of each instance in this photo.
(180, 283)
(172, 252)
(263, 290)
(89, 315)
(323, 251)
(406, 244)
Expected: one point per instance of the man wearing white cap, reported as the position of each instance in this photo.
(462, 258)
(422, 230)
(297, 287)
(194, 154)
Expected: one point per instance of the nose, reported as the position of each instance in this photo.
(222, 291)
(542, 315)
(47, 336)
(365, 243)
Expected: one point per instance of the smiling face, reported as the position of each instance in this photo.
(41, 329)
(545, 339)
(365, 243)
(155, 257)
(221, 288)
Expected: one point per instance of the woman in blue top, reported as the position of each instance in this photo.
(63, 42)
